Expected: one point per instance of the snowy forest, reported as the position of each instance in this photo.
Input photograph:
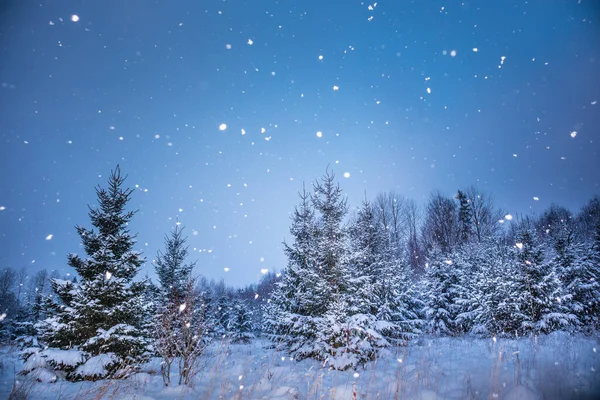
(360, 281)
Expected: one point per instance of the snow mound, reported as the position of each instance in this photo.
(428, 395)
(522, 392)
(43, 375)
(34, 361)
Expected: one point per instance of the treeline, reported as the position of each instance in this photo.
(458, 266)
(356, 282)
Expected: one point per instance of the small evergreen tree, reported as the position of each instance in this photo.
(103, 313)
(440, 294)
(538, 289)
(297, 301)
(582, 281)
(240, 322)
(170, 266)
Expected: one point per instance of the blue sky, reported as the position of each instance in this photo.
(408, 96)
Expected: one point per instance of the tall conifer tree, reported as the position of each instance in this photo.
(102, 313)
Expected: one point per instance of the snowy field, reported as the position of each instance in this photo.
(557, 366)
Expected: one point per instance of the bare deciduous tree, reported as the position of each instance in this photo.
(440, 228)
(180, 334)
(389, 213)
(485, 215)
(413, 244)
(191, 340)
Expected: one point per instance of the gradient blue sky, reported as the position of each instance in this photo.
(431, 95)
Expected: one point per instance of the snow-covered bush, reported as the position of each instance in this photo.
(96, 367)
(63, 360)
(47, 365)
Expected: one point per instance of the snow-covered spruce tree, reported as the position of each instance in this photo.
(26, 334)
(9, 304)
(298, 299)
(56, 329)
(379, 285)
(469, 306)
(240, 325)
(365, 262)
(330, 255)
(171, 268)
(484, 301)
(102, 314)
(220, 310)
(360, 340)
(440, 293)
(538, 288)
(578, 266)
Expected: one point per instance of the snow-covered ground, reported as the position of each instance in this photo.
(558, 366)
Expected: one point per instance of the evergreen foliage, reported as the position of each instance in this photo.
(240, 325)
(102, 313)
(537, 289)
(440, 293)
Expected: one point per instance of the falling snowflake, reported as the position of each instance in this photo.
(222, 127)
(452, 53)
(226, 269)
(2, 208)
(573, 134)
(519, 246)
(346, 175)
(75, 18)
(335, 87)
(49, 237)
(264, 271)
(250, 42)
(429, 90)
(320, 58)
(108, 275)
(182, 307)
(536, 198)
(508, 217)
(475, 49)
(319, 134)
(228, 46)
